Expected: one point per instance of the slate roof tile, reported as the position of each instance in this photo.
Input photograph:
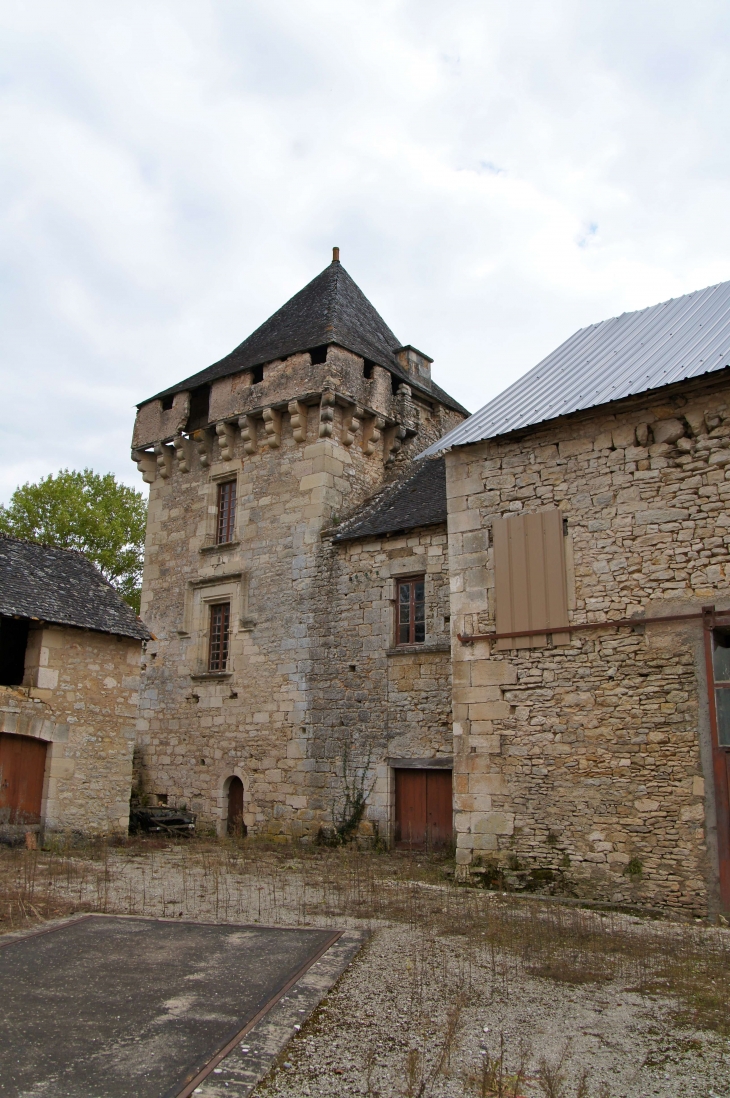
(419, 499)
(330, 309)
(62, 587)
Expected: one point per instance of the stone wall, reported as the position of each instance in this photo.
(592, 759)
(306, 446)
(80, 696)
(370, 699)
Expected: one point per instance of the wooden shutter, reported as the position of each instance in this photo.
(530, 579)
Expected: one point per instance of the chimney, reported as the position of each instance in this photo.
(415, 363)
(335, 255)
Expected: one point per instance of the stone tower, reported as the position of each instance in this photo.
(248, 462)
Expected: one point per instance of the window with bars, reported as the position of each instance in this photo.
(721, 675)
(410, 626)
(226, 520)
(220, 620)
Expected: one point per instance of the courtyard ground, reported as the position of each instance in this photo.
(457, 991)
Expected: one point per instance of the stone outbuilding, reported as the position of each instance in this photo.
(70, 652)
(589, 563)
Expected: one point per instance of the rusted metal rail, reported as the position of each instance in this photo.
(469, 638)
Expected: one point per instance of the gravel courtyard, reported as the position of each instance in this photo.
(457, 992)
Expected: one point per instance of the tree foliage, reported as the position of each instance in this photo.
(95, 514)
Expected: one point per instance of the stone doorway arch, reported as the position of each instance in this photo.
(234, 821)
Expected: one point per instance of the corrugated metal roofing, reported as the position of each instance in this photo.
(628, 354)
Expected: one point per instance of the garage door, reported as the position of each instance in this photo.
(423, 812)
(22, 766)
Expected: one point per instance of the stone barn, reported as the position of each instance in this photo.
(70, 651)
(589, 563)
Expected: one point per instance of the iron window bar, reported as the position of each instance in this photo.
(220, 617)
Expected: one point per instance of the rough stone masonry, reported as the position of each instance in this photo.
(304, 437)
(592, 758)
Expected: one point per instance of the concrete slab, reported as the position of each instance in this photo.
(108, 1006)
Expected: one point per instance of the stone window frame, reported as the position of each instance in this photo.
(201, 595)
(218, 477)
(407, 568)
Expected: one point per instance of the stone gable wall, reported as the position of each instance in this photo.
(592, 759)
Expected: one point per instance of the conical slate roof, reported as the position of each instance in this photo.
(330, 309)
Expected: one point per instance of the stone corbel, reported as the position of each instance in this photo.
(247, 425)
(351, 421)
(392, 442)
(298, 413)
(180, 446)
(407, 413)
(164, 459)
(272, 426)
(146, 464)
(327, 413)
(202, 445)
(226, 439)
(371, 434)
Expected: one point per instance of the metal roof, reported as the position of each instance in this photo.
(628, 354)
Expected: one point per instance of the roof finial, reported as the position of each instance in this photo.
(335, 255)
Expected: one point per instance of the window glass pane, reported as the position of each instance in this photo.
(419, 632)
(420, 591)
(721, 657)
(405, 592)
(403, 636)
(722, 704)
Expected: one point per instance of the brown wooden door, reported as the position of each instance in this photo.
(22, 766)
(423, 812)
(236, 825)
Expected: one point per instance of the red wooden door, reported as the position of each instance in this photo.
(235, 807)
(423, 812)
(22, 766)
(439, 814)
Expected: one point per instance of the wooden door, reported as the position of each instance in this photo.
(22, 766)
(423, 812)
(236, 825)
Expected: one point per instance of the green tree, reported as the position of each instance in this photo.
(104, 519)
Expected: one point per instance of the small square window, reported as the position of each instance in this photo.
(226, 513)
(220, 620)
(411, 611)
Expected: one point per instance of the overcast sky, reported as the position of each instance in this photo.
(496, 173)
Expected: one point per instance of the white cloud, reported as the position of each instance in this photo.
(496, 175)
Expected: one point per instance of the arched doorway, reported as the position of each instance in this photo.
(236, 826)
